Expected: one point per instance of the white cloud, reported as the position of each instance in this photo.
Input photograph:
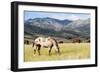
(58, 16)
(72, 17)
(66, 16)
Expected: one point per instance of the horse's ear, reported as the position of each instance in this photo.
(39, 39)
(48, 37)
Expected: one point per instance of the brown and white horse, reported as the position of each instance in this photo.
(42, 42)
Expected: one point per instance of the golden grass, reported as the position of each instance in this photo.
(69, 51)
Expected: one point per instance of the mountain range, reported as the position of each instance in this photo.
(57, 28)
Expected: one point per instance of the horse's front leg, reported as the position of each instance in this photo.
(39, 47)
(57, 50)
(50, 50)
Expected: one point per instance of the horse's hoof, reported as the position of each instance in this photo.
(39, 55)
(49, 54)
(34, 55)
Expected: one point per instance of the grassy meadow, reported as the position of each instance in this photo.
(69, 51)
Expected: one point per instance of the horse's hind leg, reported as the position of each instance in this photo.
(34, 51)
(34, 48)
(50, 51)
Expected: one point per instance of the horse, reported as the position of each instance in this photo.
(76, 40)
(42, 42)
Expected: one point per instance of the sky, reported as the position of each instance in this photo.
(56, 15)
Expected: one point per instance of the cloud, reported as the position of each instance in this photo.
(58, 16)
(73, 17)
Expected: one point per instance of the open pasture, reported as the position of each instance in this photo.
(69, 51)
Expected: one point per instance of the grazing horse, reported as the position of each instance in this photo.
(46, 43)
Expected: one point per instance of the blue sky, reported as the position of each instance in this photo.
(56, 15)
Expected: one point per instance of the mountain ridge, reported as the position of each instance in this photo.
(59, 28)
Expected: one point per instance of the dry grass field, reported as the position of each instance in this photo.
(69, 51)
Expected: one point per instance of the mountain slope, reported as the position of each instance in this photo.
(57, 28)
